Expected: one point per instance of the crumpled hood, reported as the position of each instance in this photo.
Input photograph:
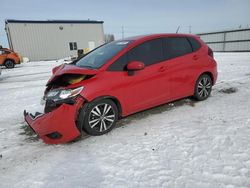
(66, 69)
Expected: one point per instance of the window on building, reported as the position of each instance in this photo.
(73, 46)
(177, 46)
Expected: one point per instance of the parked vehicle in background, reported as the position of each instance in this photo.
(9, 58)
(121, 78)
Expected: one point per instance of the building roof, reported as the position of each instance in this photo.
(54, 21)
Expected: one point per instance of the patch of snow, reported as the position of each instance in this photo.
(206, 144)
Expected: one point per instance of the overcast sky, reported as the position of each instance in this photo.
(137, 16)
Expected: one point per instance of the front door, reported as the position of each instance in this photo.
(148, 87)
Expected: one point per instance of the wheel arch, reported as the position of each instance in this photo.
(209, 74)
(10, 60)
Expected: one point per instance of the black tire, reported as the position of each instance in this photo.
(203, 87)
(98, 117)
(9, 64)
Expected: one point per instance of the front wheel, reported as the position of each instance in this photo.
(100, 117)
(203, 87)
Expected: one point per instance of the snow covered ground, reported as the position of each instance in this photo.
(182, 144)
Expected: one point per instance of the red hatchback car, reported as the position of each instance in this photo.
(119, 79)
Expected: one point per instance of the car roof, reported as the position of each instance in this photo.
(152, 36)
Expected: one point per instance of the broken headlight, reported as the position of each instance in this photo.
(62, 94)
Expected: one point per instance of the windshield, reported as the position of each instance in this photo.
(101, 55)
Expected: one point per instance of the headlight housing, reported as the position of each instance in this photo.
(62, 94)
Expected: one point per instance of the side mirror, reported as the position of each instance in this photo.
(135, 66)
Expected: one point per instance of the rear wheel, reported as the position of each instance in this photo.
(203, 87)
(9, 64)
(100, 117)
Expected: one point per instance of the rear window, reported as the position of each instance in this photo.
(194, 43)
(177, 46)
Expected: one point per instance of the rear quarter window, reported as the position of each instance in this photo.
(194, 43)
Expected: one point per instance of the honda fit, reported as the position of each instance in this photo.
(121, 78)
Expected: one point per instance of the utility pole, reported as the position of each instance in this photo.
(190, 27)
(122, 32)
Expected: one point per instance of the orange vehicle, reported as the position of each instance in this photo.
(9, 58)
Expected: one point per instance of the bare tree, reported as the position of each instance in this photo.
(109, 38)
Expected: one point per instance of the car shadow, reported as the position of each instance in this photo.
(156, 110)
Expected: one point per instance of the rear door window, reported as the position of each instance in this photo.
(176, 46)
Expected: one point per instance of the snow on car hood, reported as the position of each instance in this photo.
(66, 69)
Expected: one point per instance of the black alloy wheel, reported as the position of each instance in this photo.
(100, 117)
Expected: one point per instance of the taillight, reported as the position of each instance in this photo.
(210, 52)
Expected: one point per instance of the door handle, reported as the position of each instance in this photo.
(162, 69)
(195, 57)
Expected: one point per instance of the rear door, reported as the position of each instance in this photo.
(181, 66)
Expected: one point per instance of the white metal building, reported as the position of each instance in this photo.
(228, 41)
(53, 39)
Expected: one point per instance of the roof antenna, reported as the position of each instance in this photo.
(177, 30)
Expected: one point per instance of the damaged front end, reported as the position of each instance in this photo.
(63, 100)
(57, 126)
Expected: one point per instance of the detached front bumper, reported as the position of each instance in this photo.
(57, 126)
